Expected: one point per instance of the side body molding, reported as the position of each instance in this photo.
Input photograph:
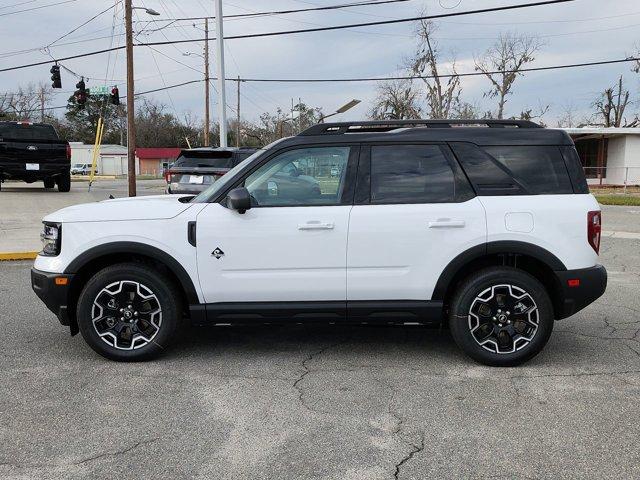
(492, 248)
(141, 249)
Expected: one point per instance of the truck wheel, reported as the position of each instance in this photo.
(129, 312)
(501, 316)
(49, 182)
(64, 182)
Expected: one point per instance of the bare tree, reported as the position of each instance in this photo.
(611, 105)
(395, 100)
(531, 114)
(502, 64)
(442, 95)
(27, 103)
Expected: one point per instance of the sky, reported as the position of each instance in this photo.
(573, 32)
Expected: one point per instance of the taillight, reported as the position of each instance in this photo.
(68, 152)
(594, 229)
(167, 177)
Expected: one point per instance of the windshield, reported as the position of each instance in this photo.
(222, 182)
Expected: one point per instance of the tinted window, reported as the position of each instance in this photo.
(211, 159)
(540, 169)
(575, 169)
(411, 174)
(305, 176)
(485, 173)
(17, 131)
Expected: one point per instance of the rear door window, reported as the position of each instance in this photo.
(411, 174)
(18, 131)
(540, 169)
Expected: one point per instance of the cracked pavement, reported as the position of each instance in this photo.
(323, 402)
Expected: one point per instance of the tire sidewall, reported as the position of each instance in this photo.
(151, 279)
(472, 287)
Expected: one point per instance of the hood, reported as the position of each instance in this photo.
(153, 207)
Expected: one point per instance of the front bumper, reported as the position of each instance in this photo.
(579, 288)
(50, 289)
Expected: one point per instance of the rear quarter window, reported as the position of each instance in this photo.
(540, 169)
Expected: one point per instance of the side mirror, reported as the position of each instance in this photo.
(239, 199)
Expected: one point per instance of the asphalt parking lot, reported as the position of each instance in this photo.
(306, 402)
(23, 205)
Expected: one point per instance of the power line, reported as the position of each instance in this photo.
(36, 8)
(368, 24)
(81, 25)
(319, 29)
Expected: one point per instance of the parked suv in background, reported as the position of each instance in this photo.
(196, 169)
(486, 225)
(32, 152)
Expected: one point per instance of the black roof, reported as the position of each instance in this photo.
(480, 132)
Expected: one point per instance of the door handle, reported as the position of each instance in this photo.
(447, 223)
(315, 225)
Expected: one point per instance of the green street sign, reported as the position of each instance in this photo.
(99, 90)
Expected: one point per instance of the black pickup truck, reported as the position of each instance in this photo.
(33, 152)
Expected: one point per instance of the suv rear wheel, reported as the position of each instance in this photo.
(501, 316)
(64, 182)
(49, 182)
(129, 312)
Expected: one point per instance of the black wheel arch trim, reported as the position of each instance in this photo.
(512, 247)
(140, 249)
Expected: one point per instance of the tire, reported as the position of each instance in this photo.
(501, 316)
(64, 182)
(145, 327)
(49, 182)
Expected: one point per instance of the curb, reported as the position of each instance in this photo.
(18, 255)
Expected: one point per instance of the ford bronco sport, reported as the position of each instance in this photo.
(488, 226)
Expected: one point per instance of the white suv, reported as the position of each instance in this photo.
(486, 225)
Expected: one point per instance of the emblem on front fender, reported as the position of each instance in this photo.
(218, 253)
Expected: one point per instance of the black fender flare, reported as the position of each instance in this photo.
(141, 249)
(505, 246)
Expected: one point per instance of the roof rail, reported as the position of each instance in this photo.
(388, 125)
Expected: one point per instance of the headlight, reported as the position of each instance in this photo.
(51, 239)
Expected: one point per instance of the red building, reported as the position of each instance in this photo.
(153, 161)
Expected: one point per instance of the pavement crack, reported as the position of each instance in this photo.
(414, 451)
(297, 384)
(116, 452)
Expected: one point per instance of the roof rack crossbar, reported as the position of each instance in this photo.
(388, 125)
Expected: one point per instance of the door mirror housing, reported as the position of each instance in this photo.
(239, 199)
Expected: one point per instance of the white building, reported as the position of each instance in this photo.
(610, 156)
(112, 159)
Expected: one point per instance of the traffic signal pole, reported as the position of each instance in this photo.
(131, 129)
(222, 100)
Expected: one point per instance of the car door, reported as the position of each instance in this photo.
(414, 212)
(290, 246)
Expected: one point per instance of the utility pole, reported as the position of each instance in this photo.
(222, 101)
(131, 129)
(238, 116)
(206, 83)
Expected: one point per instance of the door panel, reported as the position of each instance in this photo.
(395, 253)
(418, 212)
(281, 254)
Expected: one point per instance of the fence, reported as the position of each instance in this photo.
(626, 178)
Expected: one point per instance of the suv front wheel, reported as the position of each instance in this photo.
(128, 312)
(501, 316)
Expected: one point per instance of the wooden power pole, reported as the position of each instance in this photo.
(207, 126)
(131, 129)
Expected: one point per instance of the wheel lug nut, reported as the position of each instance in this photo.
(122, 310)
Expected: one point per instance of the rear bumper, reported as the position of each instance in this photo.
(18, 171)
(53, 295)
(588, 285)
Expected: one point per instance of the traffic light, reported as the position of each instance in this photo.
(81, 93)
(55, 77)
(115, 96)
